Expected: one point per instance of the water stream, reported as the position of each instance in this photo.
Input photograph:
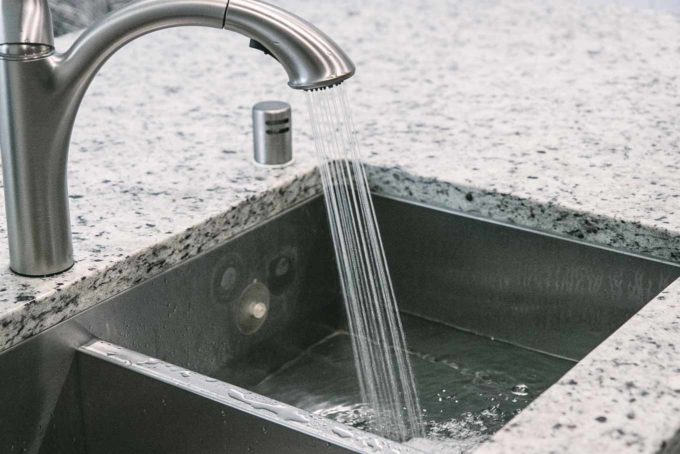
(383, 368)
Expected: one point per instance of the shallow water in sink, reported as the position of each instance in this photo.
(469, 385)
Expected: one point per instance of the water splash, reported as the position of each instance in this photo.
(383, 367)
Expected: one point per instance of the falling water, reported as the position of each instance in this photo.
(383, 367)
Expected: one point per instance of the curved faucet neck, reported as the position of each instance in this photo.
(41, 91)
(78, 66)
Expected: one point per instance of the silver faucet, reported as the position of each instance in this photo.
(41, 90)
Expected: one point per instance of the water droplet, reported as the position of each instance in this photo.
(340, 432)
(520, 390)
(148, 362)
(283, 411)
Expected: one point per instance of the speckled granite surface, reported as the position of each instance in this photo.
(623, 397)
(545, 114)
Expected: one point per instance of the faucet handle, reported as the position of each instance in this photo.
(26, 22)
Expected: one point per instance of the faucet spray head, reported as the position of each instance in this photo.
(311, 59)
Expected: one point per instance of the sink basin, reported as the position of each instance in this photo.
(494, 314)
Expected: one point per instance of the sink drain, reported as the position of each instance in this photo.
(253, 308)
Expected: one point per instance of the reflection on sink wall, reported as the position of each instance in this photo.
(546, 301)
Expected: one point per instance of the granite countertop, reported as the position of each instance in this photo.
(549, 115)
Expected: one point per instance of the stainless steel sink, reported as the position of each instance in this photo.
(171, 365)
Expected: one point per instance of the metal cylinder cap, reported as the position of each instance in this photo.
(272, 133)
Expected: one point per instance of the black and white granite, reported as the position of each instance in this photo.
(550, 115)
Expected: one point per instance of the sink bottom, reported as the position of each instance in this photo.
(469, 385)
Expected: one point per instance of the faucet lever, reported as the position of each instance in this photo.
(259, 46)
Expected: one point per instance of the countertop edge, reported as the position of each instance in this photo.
(33, 316)
(30, 318)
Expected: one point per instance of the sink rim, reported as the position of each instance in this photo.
(207, 387)
(510, 225)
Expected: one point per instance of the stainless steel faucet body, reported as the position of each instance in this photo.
(41, 91)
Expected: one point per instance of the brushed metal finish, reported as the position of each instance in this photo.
(26, 22)
(272, 133)
(40, 94)
(536, 290)
(311, 59)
